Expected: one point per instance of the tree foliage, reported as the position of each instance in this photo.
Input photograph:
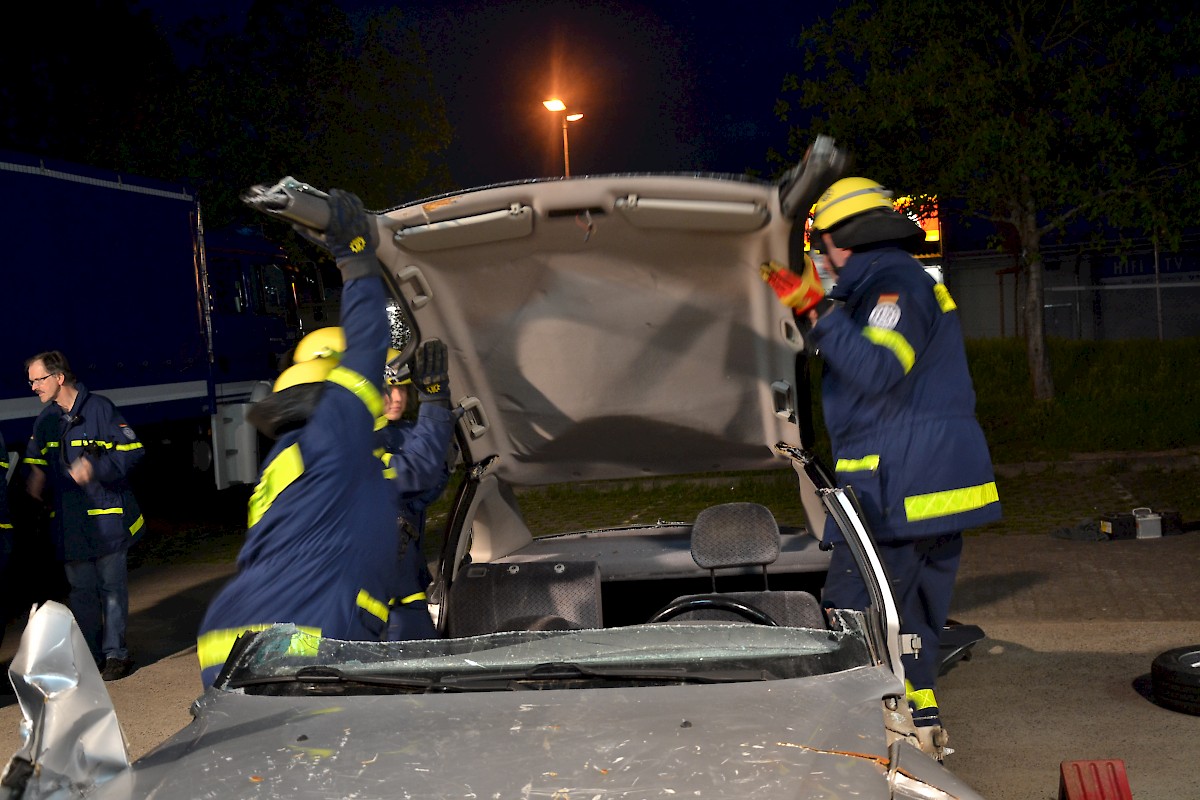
(305, 90)
(1031, 115)
(299, 88)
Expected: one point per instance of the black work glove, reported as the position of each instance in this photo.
(350, 237)
(429, 373)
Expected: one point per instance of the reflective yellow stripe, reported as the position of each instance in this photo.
(864, 464)
(920, 699)
(895, 342)
(105, 445)
(371, 605)
(137, 525)
(3, 465)
(384, 456)
(39, 462)
(48, 446)
(412, 598)
(96, 512)
(5, 524)
(283, 470)
(213, 648)
(943, 298)
(952, 501)
(363, 389)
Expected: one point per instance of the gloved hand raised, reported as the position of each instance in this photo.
(800, 292)
(350, 237)
(430, 375)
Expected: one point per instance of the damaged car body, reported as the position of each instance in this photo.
(603, 328)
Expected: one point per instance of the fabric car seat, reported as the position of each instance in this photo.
(739, 535)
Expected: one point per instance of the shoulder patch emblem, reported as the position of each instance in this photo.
(128, 431)
(886, 313)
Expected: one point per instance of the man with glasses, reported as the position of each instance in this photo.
(79, 459)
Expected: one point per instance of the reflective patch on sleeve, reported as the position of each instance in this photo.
(363, 389)
(943, 298)
(283, 470)
(412, 598)
(137, 525)
(376, 608)
(212, 648)
(864, 464)
(896, 343)
(952, 501)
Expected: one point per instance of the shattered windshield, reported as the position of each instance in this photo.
(285, 660)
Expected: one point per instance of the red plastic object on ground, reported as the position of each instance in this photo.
(1102, 779)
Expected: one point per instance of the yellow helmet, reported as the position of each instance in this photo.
(848, 198)
(321, 343)
(314, 371)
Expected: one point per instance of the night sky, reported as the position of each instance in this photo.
(663, 86)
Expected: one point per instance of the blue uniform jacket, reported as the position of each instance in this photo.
(899, 403)
(414, 455)
(321, 546)
(5, 518)
(102, 516)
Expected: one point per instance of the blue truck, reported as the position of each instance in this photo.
(180, 327)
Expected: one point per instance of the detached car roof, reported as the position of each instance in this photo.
(607, 326)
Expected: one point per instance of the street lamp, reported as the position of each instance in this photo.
(558, 106)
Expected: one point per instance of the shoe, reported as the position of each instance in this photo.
(116, 668)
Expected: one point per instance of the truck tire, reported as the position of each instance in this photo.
(1175, 679)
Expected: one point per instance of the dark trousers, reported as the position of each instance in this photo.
(922, 573)
(99, 599)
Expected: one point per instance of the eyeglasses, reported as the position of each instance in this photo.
(35, 381)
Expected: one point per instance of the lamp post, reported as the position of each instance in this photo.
(559, 107)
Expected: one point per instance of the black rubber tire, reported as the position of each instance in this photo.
(1175, 679)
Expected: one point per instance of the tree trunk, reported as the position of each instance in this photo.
(1034, 316)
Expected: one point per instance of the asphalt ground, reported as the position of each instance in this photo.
(1072, 626)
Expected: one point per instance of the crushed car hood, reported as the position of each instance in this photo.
(606, 327)
(793, 738)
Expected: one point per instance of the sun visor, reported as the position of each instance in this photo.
(694, 215)
(513, 222)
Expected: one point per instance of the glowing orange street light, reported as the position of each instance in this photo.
(559, 107)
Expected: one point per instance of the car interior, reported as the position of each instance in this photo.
(633, 578)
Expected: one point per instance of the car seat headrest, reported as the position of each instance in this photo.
(735, 535)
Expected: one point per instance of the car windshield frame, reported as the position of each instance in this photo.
(666, 652)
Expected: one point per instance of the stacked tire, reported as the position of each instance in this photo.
(1175, 679)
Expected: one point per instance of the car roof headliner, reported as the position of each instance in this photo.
(610, 326)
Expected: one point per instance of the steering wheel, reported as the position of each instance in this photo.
(700, 601)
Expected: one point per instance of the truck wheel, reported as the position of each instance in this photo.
(1175, 679)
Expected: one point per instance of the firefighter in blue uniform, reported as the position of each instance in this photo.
(321, 546)
(6, 527)
(79, 459)
(899, 407)
(417, 456)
